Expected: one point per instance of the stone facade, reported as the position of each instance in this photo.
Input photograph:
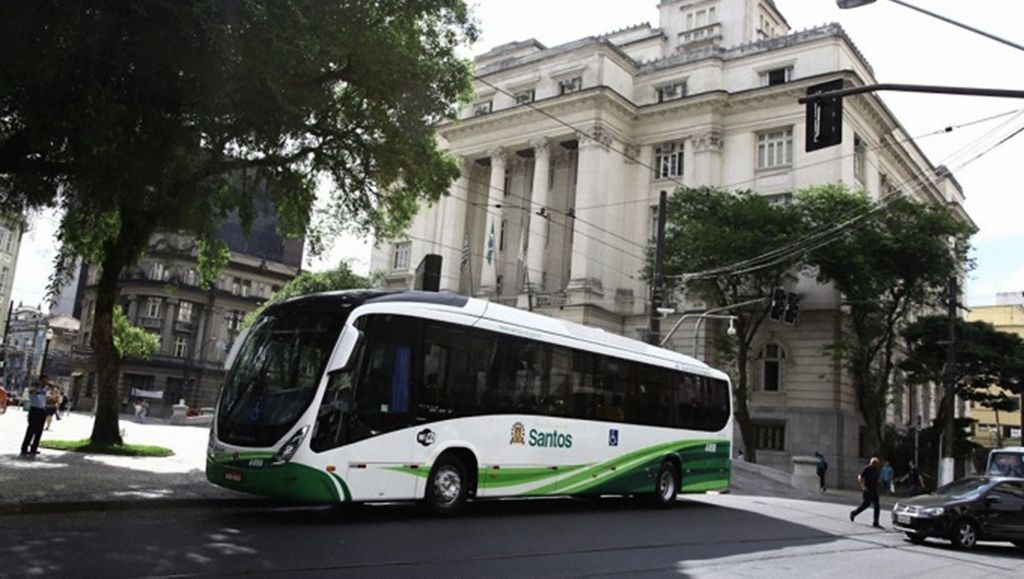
(566, 149)
(196, 326)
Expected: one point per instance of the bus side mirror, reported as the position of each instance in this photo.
(342, 357)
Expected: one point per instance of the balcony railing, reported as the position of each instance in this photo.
(702, 34)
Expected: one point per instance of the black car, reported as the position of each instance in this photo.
(972, 509)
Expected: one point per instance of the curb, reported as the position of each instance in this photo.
(43, 508)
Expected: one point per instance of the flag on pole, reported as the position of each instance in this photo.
(464, 261)
(490, 245)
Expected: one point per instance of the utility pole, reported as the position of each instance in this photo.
(657, 287)
(949, 381)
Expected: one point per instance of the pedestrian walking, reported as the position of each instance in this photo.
(887, 479)
(36, 417)
(52, 400)
(914, 480)
(868, 479)
(62, 410)
(822, 470)
(144, 412)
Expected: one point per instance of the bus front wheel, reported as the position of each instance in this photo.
(666, 485)
(447, 487)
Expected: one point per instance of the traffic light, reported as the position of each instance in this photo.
(778, 306)
(792, 308)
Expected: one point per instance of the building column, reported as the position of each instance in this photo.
(453, 210)
(587, 269)
(707, 157)
(489, 269)
(536, 241)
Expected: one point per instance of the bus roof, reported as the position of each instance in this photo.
(508, 320)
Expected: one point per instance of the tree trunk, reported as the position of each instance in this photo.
(742, 411)
(999, 431)
(106, 430)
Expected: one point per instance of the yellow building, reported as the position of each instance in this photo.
(1008, 316)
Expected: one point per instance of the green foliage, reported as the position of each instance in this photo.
(891, 263)
(86, 446)
(145, 116)
(985, 357)
(130, 341)
(708, 229)
(340, 278)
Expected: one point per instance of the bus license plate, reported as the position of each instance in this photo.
(233, 475)
(903, 519)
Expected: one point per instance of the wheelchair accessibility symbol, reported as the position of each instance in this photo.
(613, 437)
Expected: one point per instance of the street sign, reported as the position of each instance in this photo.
(824, 127)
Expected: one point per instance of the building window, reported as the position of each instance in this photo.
(157, 272)
(246, 288)
(3, 277)
(236, 286)
(860, 168)
(775, 149)
(776, 76)
(772, 358)
(506, 185)
(780, 198)
(524, 96)
(185, 312)
(153, 308)
(668, 160)
(700, 18)
(402, 256)
(180, 346)
(767, 27)
(770, 437)
(234, 320)
(483, 108)
(4, 237)
(570, 85)
(190, 277)
(501, 235)
(671, 91)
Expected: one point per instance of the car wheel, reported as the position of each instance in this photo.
(447, 487)
(916, 538)
(666, 486)
(965, 534)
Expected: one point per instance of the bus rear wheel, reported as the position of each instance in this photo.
(447, 487)
(666, 486)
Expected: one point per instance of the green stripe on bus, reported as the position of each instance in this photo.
(491, 478)
(230, 456)
(287, 481)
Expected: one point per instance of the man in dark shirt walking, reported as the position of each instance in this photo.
(868, 479)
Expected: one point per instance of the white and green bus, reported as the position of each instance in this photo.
(435, 397)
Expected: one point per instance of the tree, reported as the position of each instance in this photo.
(990, 363)
(707, 229)
(891, 262)
(130, 341)
(307, 282)
(145, 116)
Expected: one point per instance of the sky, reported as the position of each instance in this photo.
(902, 45)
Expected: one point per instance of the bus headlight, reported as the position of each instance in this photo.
(289, 448)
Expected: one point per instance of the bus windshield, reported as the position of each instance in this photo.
(276, 373)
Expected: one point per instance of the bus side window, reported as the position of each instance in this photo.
(557, 392)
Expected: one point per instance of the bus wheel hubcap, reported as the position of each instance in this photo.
(667, 485)
(447, 485)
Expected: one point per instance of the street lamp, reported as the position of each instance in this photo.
(709, 315)
(46, 350)
(846, 4)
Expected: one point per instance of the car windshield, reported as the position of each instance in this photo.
(963, 488)
(1006, 464)
(276, 374)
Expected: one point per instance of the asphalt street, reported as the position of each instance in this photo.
(713, 536)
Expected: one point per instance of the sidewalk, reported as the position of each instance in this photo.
(58, 480)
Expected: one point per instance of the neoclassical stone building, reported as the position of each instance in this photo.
(565, 150)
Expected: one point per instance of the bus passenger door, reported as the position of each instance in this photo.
(380, 446)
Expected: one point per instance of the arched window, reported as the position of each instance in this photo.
(772, 358)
